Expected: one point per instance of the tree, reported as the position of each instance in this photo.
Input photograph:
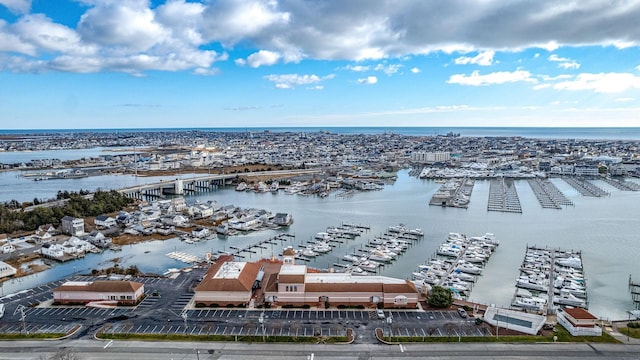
(440, 297)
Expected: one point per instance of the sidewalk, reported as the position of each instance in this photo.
(613, 330)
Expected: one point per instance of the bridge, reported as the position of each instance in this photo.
(180, 186)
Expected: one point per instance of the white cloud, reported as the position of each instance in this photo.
(129, 25)
(415, 70)
(601, 82)
(290, 81)
(206, 71)
(388, 69)
(569, 65)
(260, 58)
(501, 77)
(17, 6)
(484, 58)
(369, 80)
(358, 68)
(626, 99)
(564, 63)
(46, 35)
(556, 58)
(541, 86)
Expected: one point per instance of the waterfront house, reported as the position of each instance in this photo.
(72, 226)
(6, 270)
(104, 222)
(200, 232)
(579, 322)
(84, 292)
(175, 220)
(53, 251)
(98, 239)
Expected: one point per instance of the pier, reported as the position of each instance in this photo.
(453, 193)
(622, 185)
(503, 196)
(634, 289)
(584, 187)
(548, 195)
(550, 278)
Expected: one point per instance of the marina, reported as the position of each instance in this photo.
(457, 263)
(550, 279)
(621, 184)
(454, 193)
(503, 196)
(184, 257)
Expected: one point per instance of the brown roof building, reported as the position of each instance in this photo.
(288, 284)
(228, 283)
(84, 292)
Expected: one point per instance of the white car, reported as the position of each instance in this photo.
(380, 313)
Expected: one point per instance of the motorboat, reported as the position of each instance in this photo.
(569, 299)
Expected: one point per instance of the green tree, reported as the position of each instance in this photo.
(440, 297)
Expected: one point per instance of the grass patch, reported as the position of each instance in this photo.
(634, 333)
(31, 336)
(239, 338)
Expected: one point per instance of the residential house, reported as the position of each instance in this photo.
(104, 222)
(5, 245)
(6, 270)
(53, 251)
(283, 219)
(72, 226)
(98, 239)
(201, 232)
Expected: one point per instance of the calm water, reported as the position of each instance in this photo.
(605, 229)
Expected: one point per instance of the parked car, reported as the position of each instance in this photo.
(462, 312)
(380, 313)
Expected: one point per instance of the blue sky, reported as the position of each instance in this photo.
(246, 63)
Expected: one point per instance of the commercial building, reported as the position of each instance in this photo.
(84, 292)
(579, 322)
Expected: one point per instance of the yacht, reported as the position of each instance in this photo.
(569, 299)
(241, 186)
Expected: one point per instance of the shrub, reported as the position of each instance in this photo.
(633, 325)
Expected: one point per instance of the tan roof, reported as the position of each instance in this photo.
(291, 279)
(101, 286)
(407, 287)
(580, 314)
(244, 281)
(329, 287)
(288, 252)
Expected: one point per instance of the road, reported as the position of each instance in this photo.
(127, 350)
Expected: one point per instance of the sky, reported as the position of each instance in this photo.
(83, 64)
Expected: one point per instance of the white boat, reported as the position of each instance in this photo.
(527, 303)
(468, 268)
(241, 186)
(569, 299)
(274, 187)
(572, 261)
(527, 283)
(351, 258)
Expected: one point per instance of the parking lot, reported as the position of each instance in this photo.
(246, 329)
(16, 328)
(73, 313)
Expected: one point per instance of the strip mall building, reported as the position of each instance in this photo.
(229, 283)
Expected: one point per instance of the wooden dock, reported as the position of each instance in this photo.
(634, 289)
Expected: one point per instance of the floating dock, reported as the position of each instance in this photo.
(453, 193)
(184, 257)
(548, 195)
(549, 279)
(634, 289)
(457, 263)
(622, 185)
(584, 187)
(503, 196)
